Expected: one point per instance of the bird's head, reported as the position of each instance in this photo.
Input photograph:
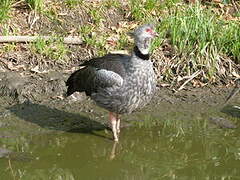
(143, 36)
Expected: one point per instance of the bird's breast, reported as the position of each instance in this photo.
(141, 80)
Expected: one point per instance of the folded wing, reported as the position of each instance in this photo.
(98, 73)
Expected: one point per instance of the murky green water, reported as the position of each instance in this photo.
(176, 144)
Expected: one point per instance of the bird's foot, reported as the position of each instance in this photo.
(116, 139)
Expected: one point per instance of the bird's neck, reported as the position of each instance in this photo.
(139, 54)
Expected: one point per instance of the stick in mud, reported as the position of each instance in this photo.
(25, 39)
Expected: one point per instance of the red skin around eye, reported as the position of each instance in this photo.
(148, 30)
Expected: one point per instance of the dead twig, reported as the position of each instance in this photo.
(235, 6)
(25, 39)
(190, 78)
(10, 166)
(18, 4)
(32, 19)
(233, 92)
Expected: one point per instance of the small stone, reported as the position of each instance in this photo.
(222, 123)
(4, 152)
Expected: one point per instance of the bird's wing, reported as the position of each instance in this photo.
(110, 62)
(98, 73)
(106, 78)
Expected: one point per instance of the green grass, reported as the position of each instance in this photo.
(149, 10)
(91, 38)
(73, 3)
(111, 3)
(142, 11)
(122, 42)
(229, 41)
(5, 7)
(54, 49)
(8, 48)
(96, 15)
(36, 5)
(199, 38)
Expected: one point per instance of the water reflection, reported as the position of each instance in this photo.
(113, 151)
(146, 155)
(181, 146)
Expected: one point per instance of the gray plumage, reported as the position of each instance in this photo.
(116, 82)
(121, 89)
(98, 73)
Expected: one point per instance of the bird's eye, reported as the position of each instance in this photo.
(148, 30)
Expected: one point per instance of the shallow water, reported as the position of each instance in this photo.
(167, 142)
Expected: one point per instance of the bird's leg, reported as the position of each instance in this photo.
(113, 120)
(118, 123)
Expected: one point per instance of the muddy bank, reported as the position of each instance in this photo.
(29, 96)
(22, 87)
(38, 87)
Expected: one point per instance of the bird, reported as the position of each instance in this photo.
(119, 83)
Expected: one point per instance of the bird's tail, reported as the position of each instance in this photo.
(71, 83)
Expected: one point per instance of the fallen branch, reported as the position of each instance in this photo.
(190, 78)
(25, 39)
(233, 92)
(10, 166)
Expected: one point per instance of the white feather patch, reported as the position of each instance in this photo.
(109, 78)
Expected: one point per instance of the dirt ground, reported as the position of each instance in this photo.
(38, 87)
